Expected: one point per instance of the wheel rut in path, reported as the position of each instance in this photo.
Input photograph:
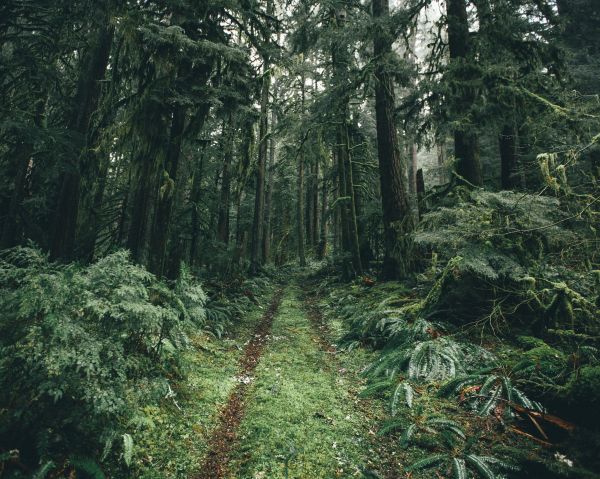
(224, 436)
(386, 463)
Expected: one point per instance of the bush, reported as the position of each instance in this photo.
(80, 348)
(584, 395)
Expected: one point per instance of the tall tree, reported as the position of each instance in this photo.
(224, 200)
(93, 67)
(466, 143)
(397, 217)
(256, 258)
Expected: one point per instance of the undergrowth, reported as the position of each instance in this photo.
(502, 319)
(83, 349)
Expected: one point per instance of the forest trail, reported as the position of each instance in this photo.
(292, 414)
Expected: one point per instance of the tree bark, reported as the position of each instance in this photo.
(22, 162)
(166, 195)
(195, 197)
(224, 201)
(466, 144)
(397, 217)
(266, 247)
(300, 192)
(508, 158)
(315, 203)
(87, 99)
(309, 205)
(354, 243)
(259, 201)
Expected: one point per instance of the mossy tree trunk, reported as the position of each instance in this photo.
(397, 216)
(256, 259)
(93, 68)
(466, 143)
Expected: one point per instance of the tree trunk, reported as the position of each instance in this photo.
(397, 217)
(144, 179)
(259, 201)
(87, 99)
(224, 201)
(22, 165)
(195, 197)
(309, 206)
(300, 192)
(315, 203)
(508, 158)
(353, 241)
(266, 247)
(166, 194)
(466, 145)
(322, 251)
(300, 209)
(420, 192)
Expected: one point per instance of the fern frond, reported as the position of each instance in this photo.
(127, 449)
(491, 403)
(375, 388)
(390, 427)
(404, 389)
(43, 471)
(428, 462)
(480, 465)
(459, 468)
(408, 434)
(88, 466)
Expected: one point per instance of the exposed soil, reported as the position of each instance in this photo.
(224, 437)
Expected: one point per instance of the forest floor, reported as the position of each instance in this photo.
(287, 405)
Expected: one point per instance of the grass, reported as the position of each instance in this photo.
(301, 420)
(171, 441)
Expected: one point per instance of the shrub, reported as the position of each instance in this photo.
(80, 347)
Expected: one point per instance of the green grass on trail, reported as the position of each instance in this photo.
(299, 412)
(171, 442)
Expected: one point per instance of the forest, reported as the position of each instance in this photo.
(273, 239)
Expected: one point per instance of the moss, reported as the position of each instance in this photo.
(541, 362)
(171, 441)
(300, 420)
(584, 388)
(529, 342)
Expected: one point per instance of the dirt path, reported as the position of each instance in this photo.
(224, 437)
(295, 412)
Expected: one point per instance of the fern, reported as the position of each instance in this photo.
(86, 345)
(485, 392)
(427, 462)
(127, 449)
(88, 466)
(404, 389)
(431, 360)
(43, 471)
(464, 465)
(431, 426)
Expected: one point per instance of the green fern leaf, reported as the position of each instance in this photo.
(127, 449)
(407, 435)
(403, 389)
(88, 466)
(491, 403)
(480, 465)
(389, 427)
(44, 470)
(426, 463)
(459, 468)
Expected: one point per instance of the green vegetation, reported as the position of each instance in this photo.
(300, 420)
(420, 177)
(172, 437)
